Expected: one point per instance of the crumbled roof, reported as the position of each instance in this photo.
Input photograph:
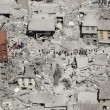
(104, 25)
(104, 91)
(87, 97)
(48, 99)
(42, 23)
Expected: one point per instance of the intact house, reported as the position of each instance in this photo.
(89, 30)
(41, 25)
(95, 28)
(28, 79)
(104, 95)
(104, 32)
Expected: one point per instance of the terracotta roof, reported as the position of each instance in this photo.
(3, 37)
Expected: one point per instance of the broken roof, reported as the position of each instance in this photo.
(48, 99)
(42, 23)
(104, 91)
(104, 25)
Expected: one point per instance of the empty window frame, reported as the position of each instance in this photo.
(87, 28)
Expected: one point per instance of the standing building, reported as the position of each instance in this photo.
(28, 79)
(89, 29)
(3, 46)
(41, 24)
(104, 32)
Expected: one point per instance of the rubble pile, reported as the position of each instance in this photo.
(58, 64)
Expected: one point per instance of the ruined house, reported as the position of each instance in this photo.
(3, 46)
(104, 95)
